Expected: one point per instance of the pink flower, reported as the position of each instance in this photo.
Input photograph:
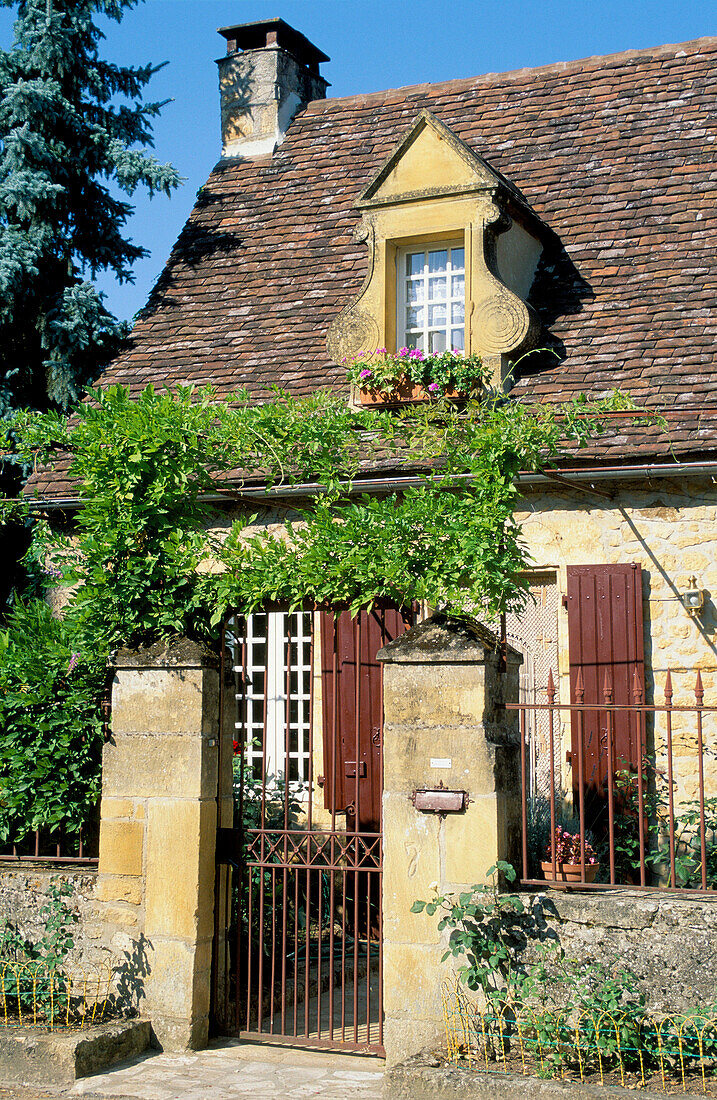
(403, 351)
(433, 387)
(73, 663)
(415, 353)
(365, 374)
(382, 351)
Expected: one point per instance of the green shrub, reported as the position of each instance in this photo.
(51, 723)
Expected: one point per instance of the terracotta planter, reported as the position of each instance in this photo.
(405, 393)
(569, 872)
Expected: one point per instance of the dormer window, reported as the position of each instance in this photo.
(432, 297)
(452, 252)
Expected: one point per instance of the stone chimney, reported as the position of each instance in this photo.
(270, 71)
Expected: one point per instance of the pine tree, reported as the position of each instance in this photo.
(71, 126)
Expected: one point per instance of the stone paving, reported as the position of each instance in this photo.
(229, 1069)
(16, 1092)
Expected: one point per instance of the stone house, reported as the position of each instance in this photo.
(570, 208)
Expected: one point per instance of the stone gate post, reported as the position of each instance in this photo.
(444, 727)
(158, 829)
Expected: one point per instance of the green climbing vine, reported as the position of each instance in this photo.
(151, 552)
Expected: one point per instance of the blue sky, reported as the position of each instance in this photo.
(373, 44)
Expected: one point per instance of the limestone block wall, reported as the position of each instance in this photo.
(442, 728)
(670, 529)
(158, 831)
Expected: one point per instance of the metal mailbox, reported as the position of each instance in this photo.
(440, 801)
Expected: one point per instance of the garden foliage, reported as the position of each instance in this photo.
(147, 468)
(574, 1014)
(145, 565)
(51, 743)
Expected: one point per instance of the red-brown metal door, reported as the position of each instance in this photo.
(605, 636)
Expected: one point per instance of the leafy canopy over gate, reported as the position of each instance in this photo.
(151, 554)
(149, 565)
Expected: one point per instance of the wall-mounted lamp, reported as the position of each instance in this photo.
(693, 599)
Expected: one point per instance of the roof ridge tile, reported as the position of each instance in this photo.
(582, 64)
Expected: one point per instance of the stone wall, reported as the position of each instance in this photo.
(443, 730)
(105, 945)
(670, 529)
(23, 892)
(670, 942)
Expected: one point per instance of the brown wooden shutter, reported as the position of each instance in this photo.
(353, 715)
(605, 634)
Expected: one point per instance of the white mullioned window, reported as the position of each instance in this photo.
(271, 639)
(432, 297)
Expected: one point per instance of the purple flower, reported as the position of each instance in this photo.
(74, 659)
(365, 374)
(53, 571)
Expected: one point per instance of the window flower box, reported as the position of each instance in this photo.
(404, 392)
(385, 379)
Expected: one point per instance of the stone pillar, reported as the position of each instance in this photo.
(443, 724)
(158, 831)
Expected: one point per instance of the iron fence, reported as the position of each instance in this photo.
(56, 845)
(637, 805)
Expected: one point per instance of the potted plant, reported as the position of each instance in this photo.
(410, 375)
(568, 864)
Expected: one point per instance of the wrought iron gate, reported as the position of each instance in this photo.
(302, 961)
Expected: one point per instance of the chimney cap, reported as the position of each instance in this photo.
(273, 32)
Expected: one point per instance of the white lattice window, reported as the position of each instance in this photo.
(432, 297)
(277, 695)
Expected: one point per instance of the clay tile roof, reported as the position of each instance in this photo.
(615, 154)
